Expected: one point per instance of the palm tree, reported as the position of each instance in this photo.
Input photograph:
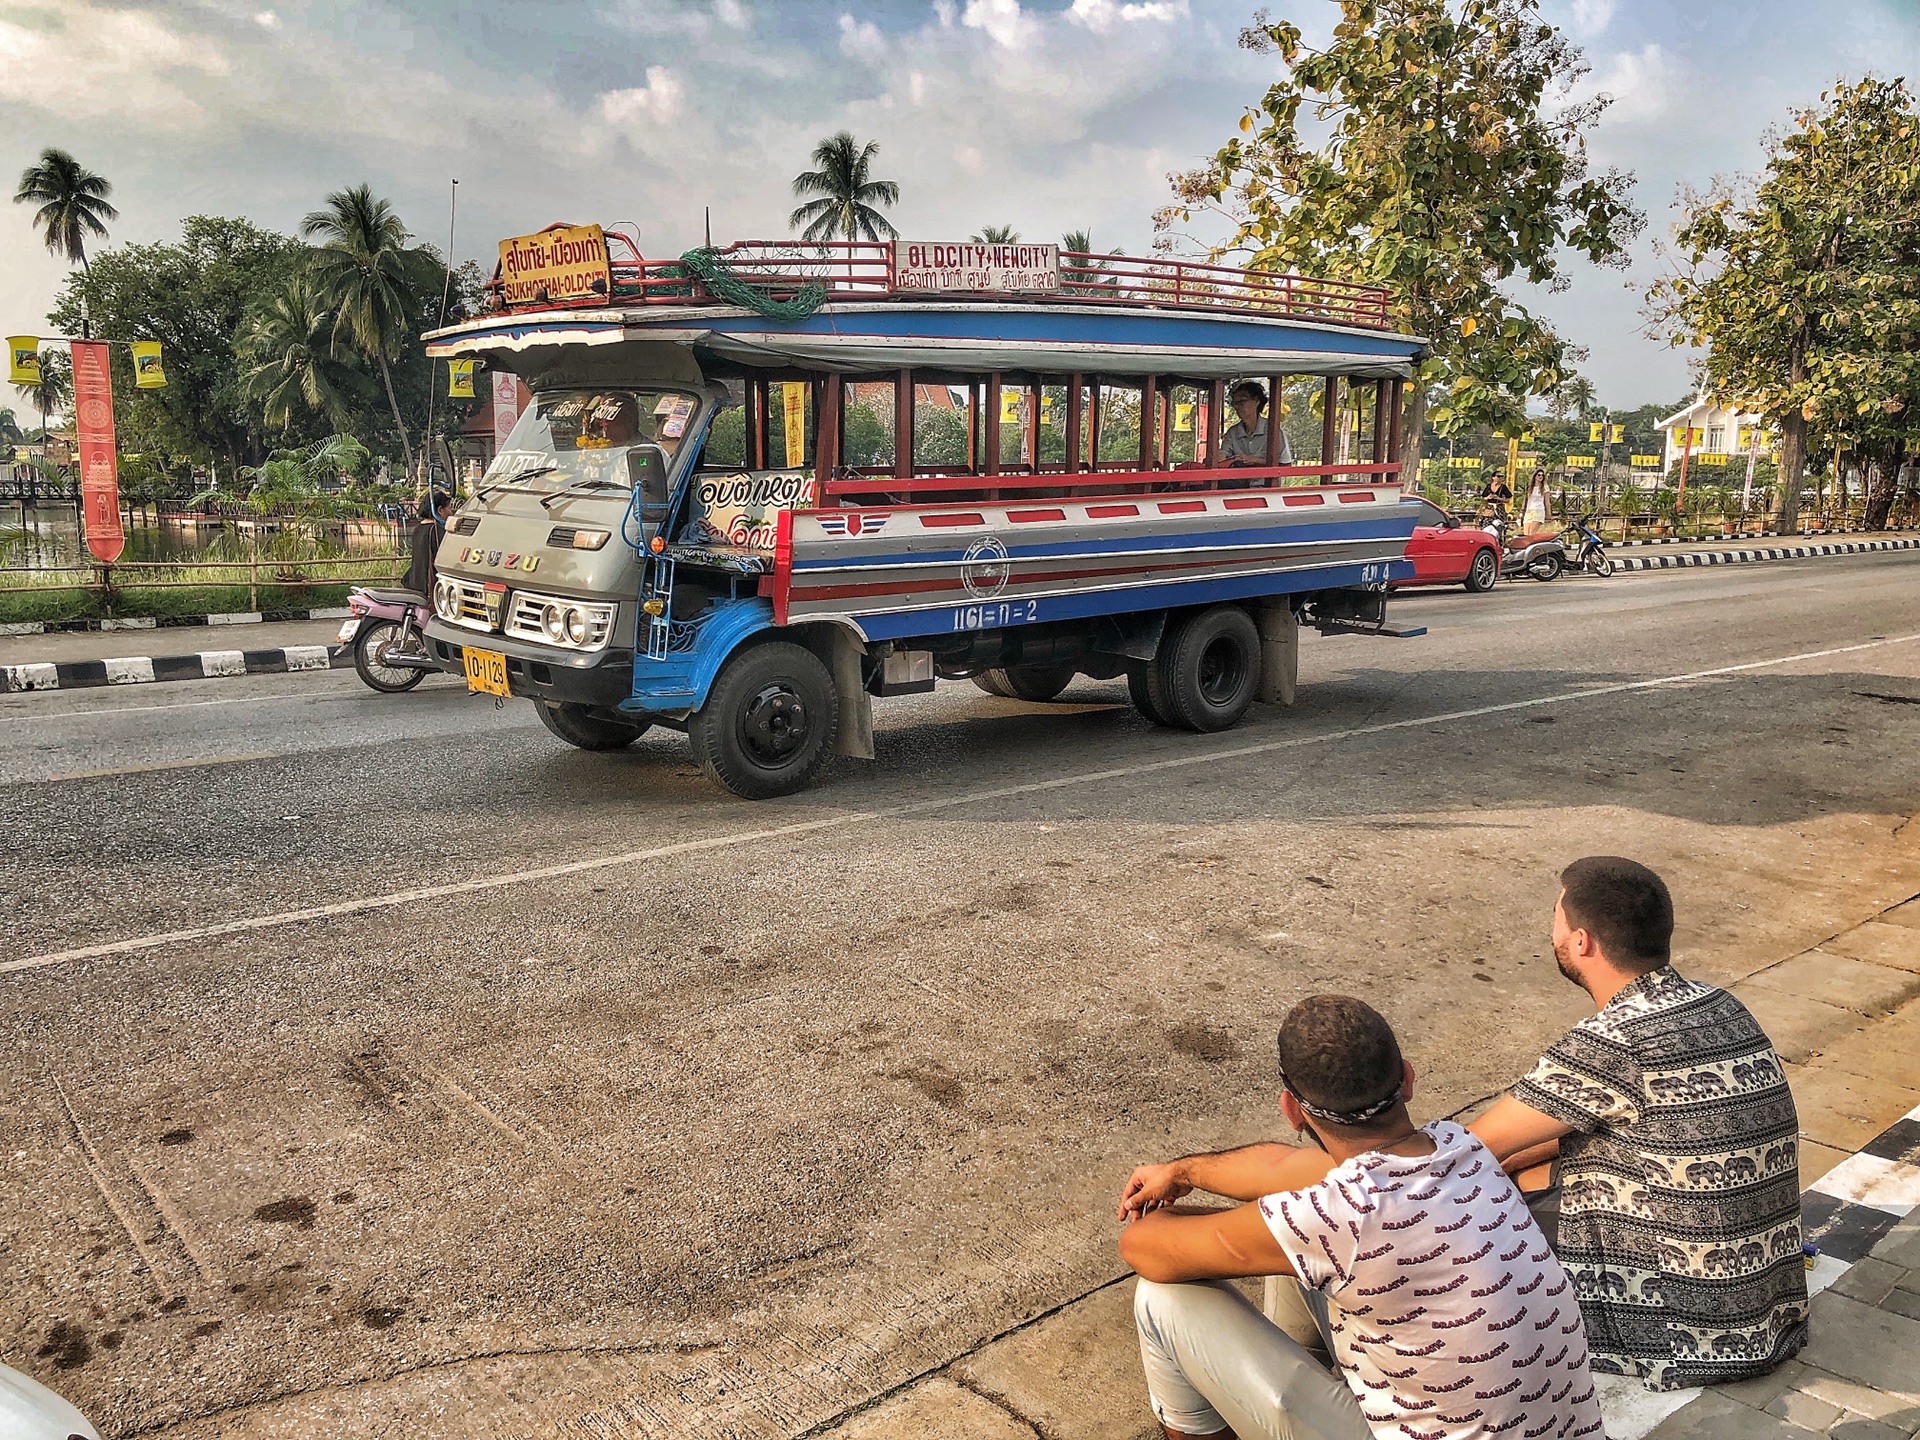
(293, 357)
(72, 200)
(55, 390)
(995, 235)
(364, 272)
(847, 193)
(1078, 241)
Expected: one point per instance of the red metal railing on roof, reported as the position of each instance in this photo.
(859, 270)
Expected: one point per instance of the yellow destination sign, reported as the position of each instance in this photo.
(556, 266)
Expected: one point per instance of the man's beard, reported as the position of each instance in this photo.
(1560, 949)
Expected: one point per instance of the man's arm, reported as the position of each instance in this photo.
(1243, 1174)
(1170, 1246)
(1519, 1135)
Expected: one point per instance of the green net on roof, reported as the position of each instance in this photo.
(705, 265)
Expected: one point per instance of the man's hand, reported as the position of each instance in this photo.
(1152, 1186)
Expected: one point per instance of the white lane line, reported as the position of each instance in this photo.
(919, 807)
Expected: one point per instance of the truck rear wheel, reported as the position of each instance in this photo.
(769, 721)
(1140, 691)
(1037, 683)
(582, 729)
(1207, 670)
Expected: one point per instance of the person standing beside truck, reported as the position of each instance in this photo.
(424, 544)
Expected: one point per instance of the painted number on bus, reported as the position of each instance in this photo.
(1374, 573)
(991, 617)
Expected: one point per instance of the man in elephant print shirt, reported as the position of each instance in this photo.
(1677, 1161)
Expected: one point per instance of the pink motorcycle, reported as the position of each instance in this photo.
(388, 633)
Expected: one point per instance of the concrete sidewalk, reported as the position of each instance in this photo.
(66, 646)
(1844, 1016)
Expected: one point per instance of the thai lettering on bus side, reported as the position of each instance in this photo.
(759, 492)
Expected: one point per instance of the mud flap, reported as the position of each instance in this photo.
(1279, 653)
(855, 735)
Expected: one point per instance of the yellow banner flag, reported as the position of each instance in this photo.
(1618, 435)
(1646, 462)
(793, 398)
(1580, 462)
(1183, 416)
(23, 359)
(147, 373)
(1709, 457)
(1596, 432)
(1009, 407)
(460, 379)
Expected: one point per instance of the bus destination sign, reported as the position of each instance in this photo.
(973, 266)
(566, 263)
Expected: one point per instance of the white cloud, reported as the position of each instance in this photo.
(267, 20)
(862, 40)
(123, 64)
(1002, 19)
(730, 13)
(1643, 83)
(645, 105)
(1590, 17)
(1101, 16)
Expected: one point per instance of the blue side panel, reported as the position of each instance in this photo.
(681, 681)
(1001, 614)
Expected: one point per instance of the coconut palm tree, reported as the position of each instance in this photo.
(364, 272)
(995, 235)
(293, 357)
(72, 200)
(55, 390)
(846, 191)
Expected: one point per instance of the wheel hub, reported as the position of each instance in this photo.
(1222, 668)
(775, 725)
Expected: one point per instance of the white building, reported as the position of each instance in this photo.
(1720, 430)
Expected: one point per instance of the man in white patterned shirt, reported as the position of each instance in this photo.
(1441, 1302)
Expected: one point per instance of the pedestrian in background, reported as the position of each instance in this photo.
(428, 530)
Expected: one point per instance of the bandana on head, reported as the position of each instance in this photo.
(1340, 1117)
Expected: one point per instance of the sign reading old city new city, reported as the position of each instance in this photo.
(556, 266)
(972, 266)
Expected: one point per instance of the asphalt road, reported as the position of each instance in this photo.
(379, 1066)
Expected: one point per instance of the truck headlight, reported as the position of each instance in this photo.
(446, 599)
(553, 620)
(576, 625)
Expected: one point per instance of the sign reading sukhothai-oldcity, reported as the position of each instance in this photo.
(563, 264)
(970, 265)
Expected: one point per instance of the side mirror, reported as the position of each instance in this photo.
(647, 470)
(1452, 522)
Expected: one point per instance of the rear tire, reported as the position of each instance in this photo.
(1140, 690)
(1483, 572)
(1036, 683)
(584, 730)
(370, 648)
(769, 721)
(1207, 670)
(1547, 567)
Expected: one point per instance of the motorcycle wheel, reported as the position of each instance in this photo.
(370, 649)
(1547, 567)
(1599, 563)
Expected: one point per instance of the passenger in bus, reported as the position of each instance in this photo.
(1245, 442)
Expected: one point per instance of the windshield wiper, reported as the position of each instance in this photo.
(546, 502)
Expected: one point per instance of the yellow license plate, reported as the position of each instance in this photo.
(486, 672)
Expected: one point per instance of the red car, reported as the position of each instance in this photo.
(1445, 552)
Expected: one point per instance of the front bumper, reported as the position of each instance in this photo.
(600, 678)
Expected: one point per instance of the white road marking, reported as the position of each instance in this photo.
(366, 903)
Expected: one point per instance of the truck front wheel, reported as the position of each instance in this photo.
(582, 729)
(768, 723)
(1207, 670)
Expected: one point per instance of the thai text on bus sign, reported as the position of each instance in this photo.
(555, 266)
(970, 265)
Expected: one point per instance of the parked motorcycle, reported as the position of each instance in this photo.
(1586, 550)
(1539, 554)
(388, 635)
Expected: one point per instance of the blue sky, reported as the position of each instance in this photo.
(1042, 114)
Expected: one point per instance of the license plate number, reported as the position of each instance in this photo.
(486, 672)
(348, 628)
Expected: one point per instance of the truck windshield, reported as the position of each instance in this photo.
(588, 439)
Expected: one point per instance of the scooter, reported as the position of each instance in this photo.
(388, 633)
(1588, 550)
(1540, 554)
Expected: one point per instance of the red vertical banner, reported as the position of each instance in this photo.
(93, 429)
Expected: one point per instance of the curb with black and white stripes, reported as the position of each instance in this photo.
(1757, 535)
(1747, 557)
(147, 669)
(170, 622)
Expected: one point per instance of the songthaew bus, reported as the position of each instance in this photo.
(756, 486)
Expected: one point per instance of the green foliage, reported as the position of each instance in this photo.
(995, 235)
(72, 200)
(294, 361)
(846, 193)
(1805, 287)
(1447, 163)
(54, 394)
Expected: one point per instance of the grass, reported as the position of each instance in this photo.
(51, 596)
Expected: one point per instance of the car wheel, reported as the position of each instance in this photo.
(1207, 670)
(1483, 572)
(370, 649)
(769, 721)
(584, 730)
(1037, 683)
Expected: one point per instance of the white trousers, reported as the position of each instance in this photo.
(1214, 1362)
